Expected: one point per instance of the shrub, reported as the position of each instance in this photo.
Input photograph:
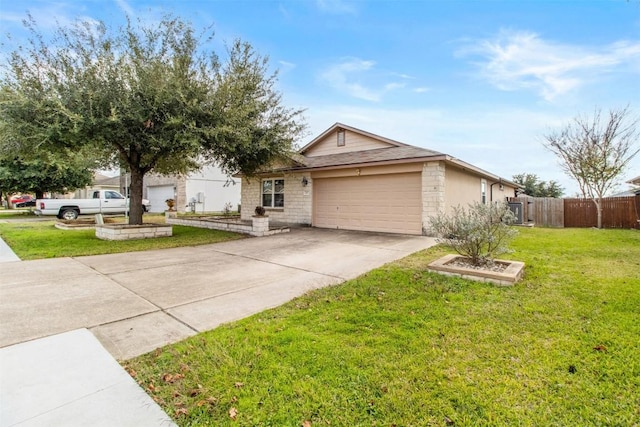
(480, 232)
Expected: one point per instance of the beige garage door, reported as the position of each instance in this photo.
(387, 203)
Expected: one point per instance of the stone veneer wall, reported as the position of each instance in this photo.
(132, 232)
(259, 226)
(297, 199)
(433, 192)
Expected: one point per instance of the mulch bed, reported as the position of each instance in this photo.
(498, 267)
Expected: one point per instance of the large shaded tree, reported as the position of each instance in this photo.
(535, 187)
(146, 98)
(595, 150)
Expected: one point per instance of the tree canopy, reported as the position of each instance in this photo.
(535, 187)
(145, 98)
(595, 151)
(42, 175)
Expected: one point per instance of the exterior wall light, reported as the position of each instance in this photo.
(305, 181)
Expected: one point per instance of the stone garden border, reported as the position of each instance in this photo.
(131, 232)
(507, 277)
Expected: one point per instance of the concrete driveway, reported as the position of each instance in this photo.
(136, 302)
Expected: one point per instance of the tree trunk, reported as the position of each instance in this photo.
(39, 194)
(598, 203)
(135, 201)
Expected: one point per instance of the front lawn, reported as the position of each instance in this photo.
(40, 239)
(401, 346)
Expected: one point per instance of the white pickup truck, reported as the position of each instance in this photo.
(102, 201)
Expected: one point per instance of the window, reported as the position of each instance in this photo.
(340, 137)
(273, 193)
(483, 191)
(112, 195)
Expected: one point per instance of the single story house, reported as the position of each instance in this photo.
(100, 182)
(347, 178)
(209, 190)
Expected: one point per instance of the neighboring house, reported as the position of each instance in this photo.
(350, 179)
(634, 191)
(206, 191)
(100, 182)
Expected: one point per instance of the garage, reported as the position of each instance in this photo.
(385, 203)
(157, 195)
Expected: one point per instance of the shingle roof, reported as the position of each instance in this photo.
(406, 152)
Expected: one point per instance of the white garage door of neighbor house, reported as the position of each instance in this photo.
(386, 203)
(157, 195)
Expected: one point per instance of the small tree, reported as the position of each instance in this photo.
(595, 151)
(480, 232)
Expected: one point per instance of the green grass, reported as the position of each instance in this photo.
(34, 240)
(16, 214)
(401, 346)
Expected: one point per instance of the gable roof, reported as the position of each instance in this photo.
(338, 125)
(634, 181)
(100, 179)
(396, 152)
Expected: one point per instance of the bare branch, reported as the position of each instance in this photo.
(595, 152)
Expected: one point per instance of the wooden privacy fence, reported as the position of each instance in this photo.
(543, 211)
(617, 212)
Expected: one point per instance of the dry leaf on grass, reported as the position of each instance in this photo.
(306, 423)
(233, 413)
(172, 378)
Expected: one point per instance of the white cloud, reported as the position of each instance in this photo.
(393, 86)
(516, 60)
(125, 7)
(340, 76)
(338, 7)
(349, 77)
(404, 76)
(286, 65)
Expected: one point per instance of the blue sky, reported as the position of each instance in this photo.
(479, 80)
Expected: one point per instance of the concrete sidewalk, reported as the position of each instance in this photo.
(136, 302)
(6, 254)
(70, 380)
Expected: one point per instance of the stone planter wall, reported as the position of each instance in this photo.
(259, 226)
(508, 277)
(130, 232)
